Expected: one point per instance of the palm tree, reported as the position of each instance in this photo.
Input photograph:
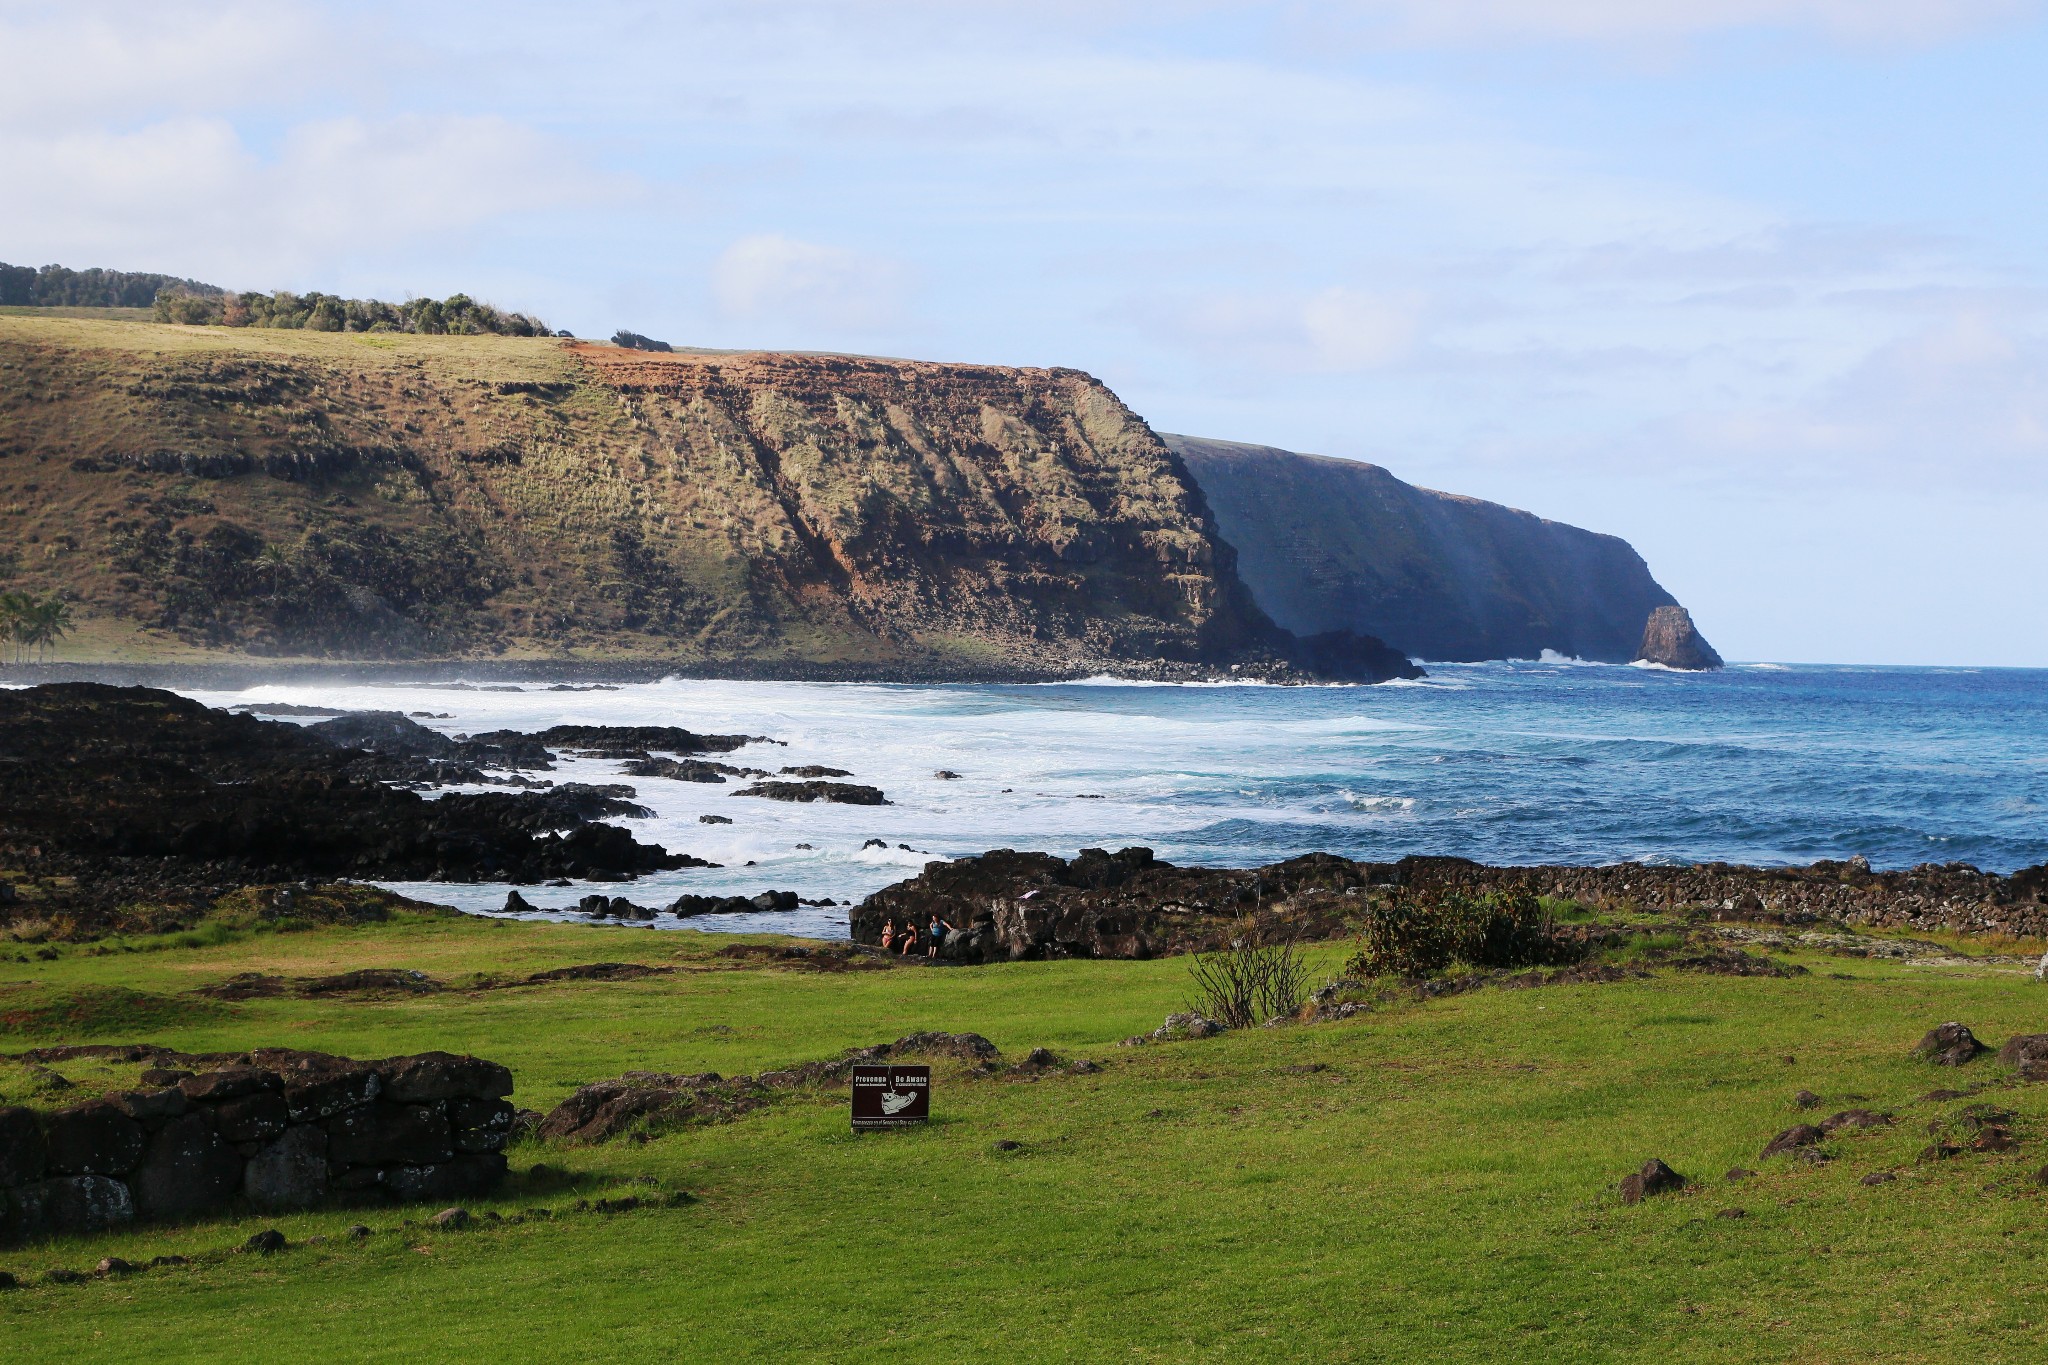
(47, 623)
(14, 612)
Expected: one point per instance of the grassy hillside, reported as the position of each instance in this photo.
(206, 492)
(1425, 1181)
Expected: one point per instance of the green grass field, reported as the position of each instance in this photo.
(1430, 1181)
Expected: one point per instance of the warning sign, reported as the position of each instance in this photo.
(891, 1096)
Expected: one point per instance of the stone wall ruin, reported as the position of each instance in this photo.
(274, 1129)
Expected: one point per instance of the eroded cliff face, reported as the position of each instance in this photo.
(1025, 510)
(1330, 544)
(303, 494)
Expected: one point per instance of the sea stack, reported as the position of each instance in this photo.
(1670, 639)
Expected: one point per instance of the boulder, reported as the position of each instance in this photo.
(78, 1204)
(2028, 1052)
(231, 1083)
(1188, 1025)
(452, 1179)
(442, 1076)
(1977, 1117)
(151, 1108)
(324, 1095)
(1653, 1179)
(21, 1214)
(2024, 1047)
(842, 793)
(290, 1173)
(968, 1047)
(599, 1112)
(1792, 1139)
(452, 1220)
(251, 1118)
(266, 1243)
(94, 1138)
(1853, 1118)
(1949, 1044)
(390, 1134)
(22, 1151)
(479, 1125)
(187, 1170)
(1806, 1099)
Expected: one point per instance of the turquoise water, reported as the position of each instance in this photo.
(1506, 763)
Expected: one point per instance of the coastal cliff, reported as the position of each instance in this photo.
(207, 492)
(1328, 544)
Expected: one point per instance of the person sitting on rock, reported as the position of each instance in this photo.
(888, 934)
(909, 938)
(935, 935)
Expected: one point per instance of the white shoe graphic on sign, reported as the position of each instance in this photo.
(896, 1101)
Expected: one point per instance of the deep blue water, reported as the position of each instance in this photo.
(1506, 763)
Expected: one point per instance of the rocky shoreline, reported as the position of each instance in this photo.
(133, 809)
(1009, 906)
(136, 810)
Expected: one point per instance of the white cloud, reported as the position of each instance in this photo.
(772, 279)
(79, 59)
(1636, 21)
(333, 187)
(1334, 330)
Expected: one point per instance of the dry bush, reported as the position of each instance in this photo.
(1248, 983)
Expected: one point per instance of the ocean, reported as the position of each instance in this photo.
(1551, 761)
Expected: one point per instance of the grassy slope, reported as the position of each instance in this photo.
(1441, 1190)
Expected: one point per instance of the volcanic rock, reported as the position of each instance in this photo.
(839, 793)
(94, 1138)
(22, 1150)
(1670, 639)
(187, 1170)
(1853, 1119)
(1799, 1135)
(443, 1076)
(1653, 1179)
(1949, 1044)
(290, 1173)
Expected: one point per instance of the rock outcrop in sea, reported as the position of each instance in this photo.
(1671, 639)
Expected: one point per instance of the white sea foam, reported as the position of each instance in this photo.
(1238, 774)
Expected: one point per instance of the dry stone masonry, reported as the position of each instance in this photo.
(274, 1129)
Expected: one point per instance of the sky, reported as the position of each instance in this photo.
(1759, 285)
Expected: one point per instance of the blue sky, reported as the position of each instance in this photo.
(1758, 284)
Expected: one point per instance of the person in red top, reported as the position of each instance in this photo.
(888, 934)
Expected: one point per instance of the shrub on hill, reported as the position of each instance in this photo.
(633, 341)
(456, 315)
(53, 286)
(1493, 929)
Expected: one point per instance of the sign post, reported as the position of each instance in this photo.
(891, 1097)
